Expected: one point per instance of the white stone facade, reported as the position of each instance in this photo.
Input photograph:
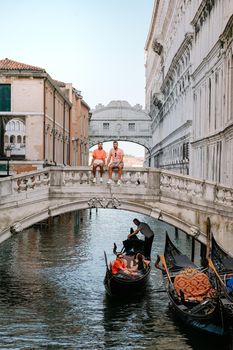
(189, 87)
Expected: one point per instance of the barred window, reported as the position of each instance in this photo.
(106, 126)
(131, 126)
(186, 150)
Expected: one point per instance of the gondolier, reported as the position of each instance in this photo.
(148, 234)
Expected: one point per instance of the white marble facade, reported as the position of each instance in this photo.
(189, 87)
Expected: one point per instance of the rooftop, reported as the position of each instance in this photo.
(7, 64)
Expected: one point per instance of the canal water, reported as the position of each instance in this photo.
(52, 294)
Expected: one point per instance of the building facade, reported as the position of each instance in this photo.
(79, 130)
(45, 112)
(189, 87)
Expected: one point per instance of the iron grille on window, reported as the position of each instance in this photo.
(131, 126)
(186, 150)
(106, 126)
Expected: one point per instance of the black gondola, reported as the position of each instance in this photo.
(119, 285)
(222, 265)
(204, 313)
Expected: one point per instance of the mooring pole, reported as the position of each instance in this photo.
(208, 237)
(193, 249)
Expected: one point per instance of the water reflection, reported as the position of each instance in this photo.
(52, 294)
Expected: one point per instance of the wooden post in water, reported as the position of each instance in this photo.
(208, 237)
(176, 232)
(50, 221)
(193, 249)
(203, 254)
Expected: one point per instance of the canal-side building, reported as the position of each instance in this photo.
(46, 113)
(79, 131)
(212, 142)
(189, 87)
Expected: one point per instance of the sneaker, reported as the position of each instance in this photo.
(101, 180)
(94, 180)
(119, 182)
(109, 182)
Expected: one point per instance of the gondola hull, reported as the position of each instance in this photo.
(222, 264)
(122, 287)
(210, 322)
(206, 315)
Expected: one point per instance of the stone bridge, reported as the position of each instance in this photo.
(179, 200)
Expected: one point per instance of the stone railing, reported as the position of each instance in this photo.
(166, 184)
(24, 182)
(224, 195)
(188, 188)
(82, 176)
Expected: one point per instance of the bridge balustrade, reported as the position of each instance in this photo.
(170, 184)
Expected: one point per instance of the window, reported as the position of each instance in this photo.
(106, 126)
(131, 126)
(12, 139)
(5, 97)
(186, 150)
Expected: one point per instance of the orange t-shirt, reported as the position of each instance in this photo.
(117, 265)
(99, 154)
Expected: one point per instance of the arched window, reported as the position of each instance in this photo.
(12, 139)
(19, 139)
(24, 139)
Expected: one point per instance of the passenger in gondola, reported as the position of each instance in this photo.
(141, 263)
(120, 265)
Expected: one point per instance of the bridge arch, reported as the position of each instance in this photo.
(107, 203)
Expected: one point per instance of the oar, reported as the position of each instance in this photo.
(160, 291)
(211, 265)
(162, 258)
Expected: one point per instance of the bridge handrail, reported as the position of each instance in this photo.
(196, 188)
(170, 184)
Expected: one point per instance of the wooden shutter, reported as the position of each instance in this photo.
(5, 97)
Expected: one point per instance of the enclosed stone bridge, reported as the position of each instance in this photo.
(182, 201)
(121, 121)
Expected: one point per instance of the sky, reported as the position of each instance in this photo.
(97, 45)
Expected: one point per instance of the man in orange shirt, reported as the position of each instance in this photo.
(98, 160)
(119, 265)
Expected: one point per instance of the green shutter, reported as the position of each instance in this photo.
(5, 97)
